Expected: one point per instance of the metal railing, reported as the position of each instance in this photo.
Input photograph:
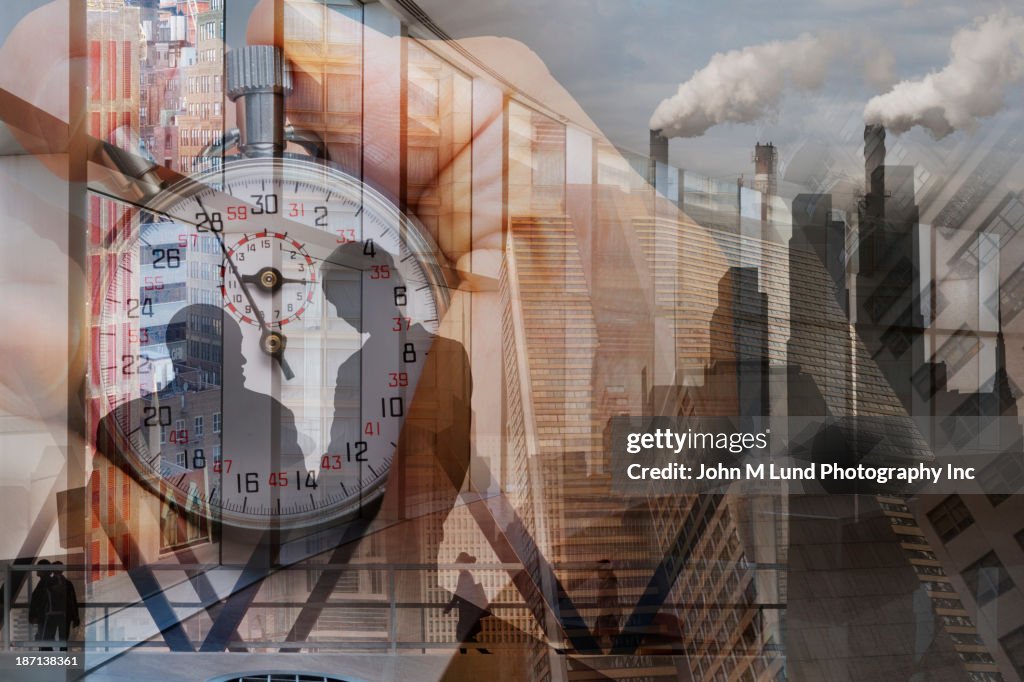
(114, 616)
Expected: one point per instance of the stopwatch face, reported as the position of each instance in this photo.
(262, 332)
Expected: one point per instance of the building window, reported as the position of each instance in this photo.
(987, 578)
(950, 518)
(1013, 645)
(163, 434)
(216, 422)
(1005, 474)
(179, 459)
(198, 426)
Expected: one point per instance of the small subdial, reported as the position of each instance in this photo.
(279, 274)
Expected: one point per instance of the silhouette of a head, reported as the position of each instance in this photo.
(208, 333)
(341, 275)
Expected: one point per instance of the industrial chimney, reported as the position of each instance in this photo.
(874, 172)
(658, 154)
(766, 161)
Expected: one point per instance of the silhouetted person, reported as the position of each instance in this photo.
(432, 452)
(471, 602)
(607, 625)
(61, 608)
(248, 418)
(432, 457)
(39, 602)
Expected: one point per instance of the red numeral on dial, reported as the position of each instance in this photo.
(330, 462)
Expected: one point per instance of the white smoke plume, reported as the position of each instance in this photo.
(743, 86)
(985, 59)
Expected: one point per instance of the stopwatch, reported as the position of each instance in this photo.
(263, 328)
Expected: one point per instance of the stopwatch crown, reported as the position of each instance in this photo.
(257, 81)
(257, 69)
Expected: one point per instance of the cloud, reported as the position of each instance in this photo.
(985, 59)
(743, 86)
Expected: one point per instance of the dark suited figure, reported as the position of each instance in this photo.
(39, 602)
(432, 458)
(471, 602)
(256, 430)
(434, 448)
(61, 613)
(608, 610)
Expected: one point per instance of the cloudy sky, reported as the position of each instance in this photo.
(828, 58)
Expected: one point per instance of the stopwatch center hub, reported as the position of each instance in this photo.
(269, 279)
(273, 343)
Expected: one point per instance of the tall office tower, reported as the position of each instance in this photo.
(840, 543)
(820, 343)
(766, 163)
(874, 171)
(889, 320)
(686, 260)
(976, 538)
(114, 40)
(113, 98)
(200, 114)
(564, 499)
(706, 549)
(722, 327)
(739, 346)
(733, 572)
(167, 48)
(329, 99)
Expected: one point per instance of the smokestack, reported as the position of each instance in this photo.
(874, 170)
(766, 161)
(658, 154)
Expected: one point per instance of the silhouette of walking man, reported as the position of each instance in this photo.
(471, 601)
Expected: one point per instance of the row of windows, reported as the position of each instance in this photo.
(211, 29)
(205, 324)
(198, 163)
(200, 136)
(203, 84)
(206, 296)
(198, 427)
(951, 516)
(203, 270)
(201, 350)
